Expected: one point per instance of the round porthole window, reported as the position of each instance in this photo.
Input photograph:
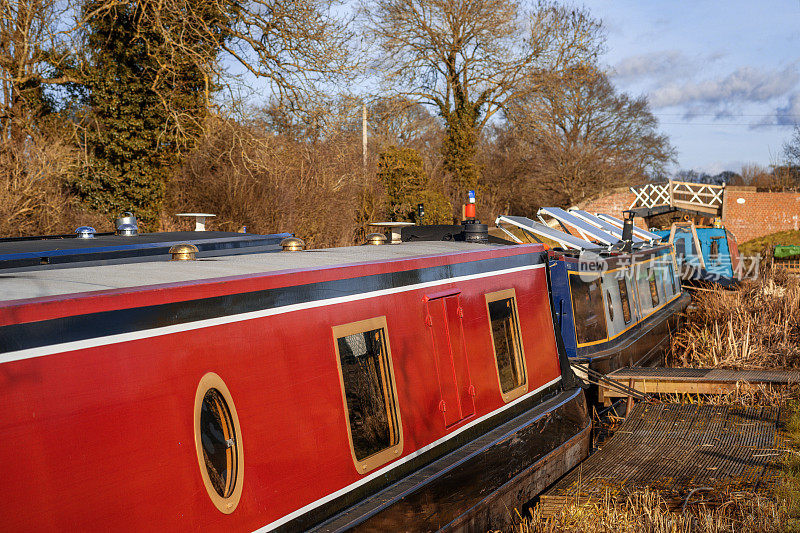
(218, 440)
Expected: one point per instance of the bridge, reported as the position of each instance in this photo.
(696, 198)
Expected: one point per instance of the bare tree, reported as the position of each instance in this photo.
(575, 140)
(791, 149)
(33, 34)
(469, 58)
(296, 46)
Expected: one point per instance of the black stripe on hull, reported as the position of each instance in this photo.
(86, 326)
(462, 489)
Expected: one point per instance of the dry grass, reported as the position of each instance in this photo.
(755, 326)
(272, 183)
(33, 198)
(747, 395)
(647, 511)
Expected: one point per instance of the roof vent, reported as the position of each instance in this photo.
(376, 238)
(85, 232)
(127, 225)
(292, 244)
(127, 230)
(475, 232)
(183, 252)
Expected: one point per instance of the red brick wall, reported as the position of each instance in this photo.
(761, 213)
(613, 203)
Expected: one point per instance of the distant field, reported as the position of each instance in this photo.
(759, 245)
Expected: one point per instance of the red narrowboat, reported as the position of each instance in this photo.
(417, 386)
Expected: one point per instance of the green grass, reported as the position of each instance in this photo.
(760, 244)
(789, 490)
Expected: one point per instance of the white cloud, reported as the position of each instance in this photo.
(745, 85)
(789, 115)
(658, 65)
(715, 167)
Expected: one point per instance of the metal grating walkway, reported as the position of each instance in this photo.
(673, 449)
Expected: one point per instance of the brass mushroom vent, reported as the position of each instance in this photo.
(376, 239)
(292, 244)
(183, 252)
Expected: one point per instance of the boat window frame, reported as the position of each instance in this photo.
(610, 305)
(626, 303)
(652, 279)
(519, 348)
(575, 316)
(380, 458)
(698, 250)
(208, 382)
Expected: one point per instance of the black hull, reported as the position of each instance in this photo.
(478, 486)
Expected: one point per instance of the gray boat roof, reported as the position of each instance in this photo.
(43, 283)
(67, 251)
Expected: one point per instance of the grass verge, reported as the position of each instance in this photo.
(761, 244)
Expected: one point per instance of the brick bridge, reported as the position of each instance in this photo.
(746, 211)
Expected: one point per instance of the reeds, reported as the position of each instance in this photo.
(756, 326)
(648, 511)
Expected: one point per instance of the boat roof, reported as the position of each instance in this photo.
(586, 230)
(68, 251)
(543, 230)
(54, 282)
(644, 234)
(602, 224)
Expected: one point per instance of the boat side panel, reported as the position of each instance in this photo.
(103, 436)
(721, 264)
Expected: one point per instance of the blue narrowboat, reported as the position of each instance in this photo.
(704, 254)
(616, 297)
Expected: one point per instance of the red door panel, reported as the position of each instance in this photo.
(444, 321)
(459, 355)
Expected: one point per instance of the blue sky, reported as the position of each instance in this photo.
(723, 78)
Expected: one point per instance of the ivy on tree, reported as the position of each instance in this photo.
(400, 170)
(133, 134)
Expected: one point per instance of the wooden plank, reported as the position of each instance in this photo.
(678, 387)
(705, 374)
(697, 207)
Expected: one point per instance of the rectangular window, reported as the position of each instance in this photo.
(508, 351)
(680, 248)
(651, 277)
(368, 390)
(588, 313)
(676, 282)
(623, 296)
(713, 254)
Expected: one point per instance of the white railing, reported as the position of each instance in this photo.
(680, 194)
